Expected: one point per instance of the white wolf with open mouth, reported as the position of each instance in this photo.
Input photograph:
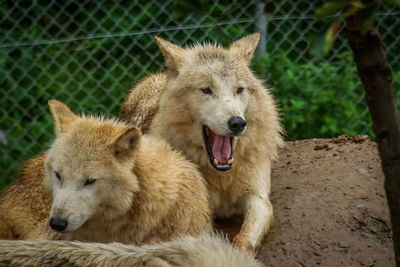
(211, 106)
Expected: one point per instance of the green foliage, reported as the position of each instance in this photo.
(54, 77)
(91, 75)
(317, 99)
(395, 3)
(343, 9)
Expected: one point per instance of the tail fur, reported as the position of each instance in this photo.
(205, 250)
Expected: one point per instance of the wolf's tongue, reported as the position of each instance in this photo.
(221, 148)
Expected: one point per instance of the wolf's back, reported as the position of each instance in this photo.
(204, 250)
(141, 104)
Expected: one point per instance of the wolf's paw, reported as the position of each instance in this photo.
(243, 244)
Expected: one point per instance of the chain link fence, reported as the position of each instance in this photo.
(88, 54)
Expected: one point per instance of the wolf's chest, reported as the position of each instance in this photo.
(224, 207)
(226, 203)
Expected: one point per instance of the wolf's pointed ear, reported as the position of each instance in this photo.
(126, 141)
(62, 116)
(173, 54)
(244, 48)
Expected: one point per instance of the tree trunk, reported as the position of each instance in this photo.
(376, 77)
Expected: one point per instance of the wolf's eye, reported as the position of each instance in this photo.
(58, 175)
(239, 90)
(90, 181)
(206, 90)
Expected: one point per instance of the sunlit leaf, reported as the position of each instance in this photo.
(330, 8)
(356, 6)
(331, 35)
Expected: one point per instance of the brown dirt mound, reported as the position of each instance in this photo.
(329, 205)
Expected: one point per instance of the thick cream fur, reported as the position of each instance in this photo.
(202, 251)
(144, 192)
(182, 109)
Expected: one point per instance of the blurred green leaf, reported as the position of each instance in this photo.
(392, 2)
(317, 44)
(356, 6)
(368, 16)
(331, 35)
(330, 8)
(183, 8)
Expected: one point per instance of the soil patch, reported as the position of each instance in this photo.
(329, 204)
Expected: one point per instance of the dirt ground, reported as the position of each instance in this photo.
(329, 205)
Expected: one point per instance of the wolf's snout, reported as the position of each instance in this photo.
(58, 224)
(236, 124)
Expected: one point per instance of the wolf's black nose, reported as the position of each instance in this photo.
(236, 124)
(58, 224)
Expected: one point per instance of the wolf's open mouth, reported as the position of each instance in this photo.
(219, 149)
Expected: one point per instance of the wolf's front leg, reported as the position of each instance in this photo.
(257, 219)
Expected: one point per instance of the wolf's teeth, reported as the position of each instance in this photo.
(230, 160)
(215, 161)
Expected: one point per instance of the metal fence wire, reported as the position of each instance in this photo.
(88, 54)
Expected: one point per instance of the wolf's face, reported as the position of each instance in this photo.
(87, 169)
(214, 86)
(217, 99)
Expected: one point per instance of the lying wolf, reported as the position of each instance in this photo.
(211, 106)
(204, 251)
(25, 205)
(106, 183)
